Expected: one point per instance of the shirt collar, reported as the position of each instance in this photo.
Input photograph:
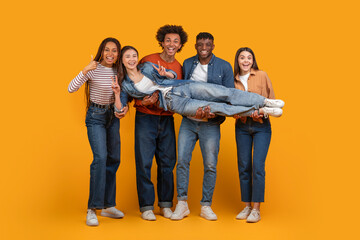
(252, 73)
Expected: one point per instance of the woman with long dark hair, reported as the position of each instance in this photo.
(102, 128)
(185, 96)
(253, 135)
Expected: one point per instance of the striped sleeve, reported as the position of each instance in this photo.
(78, 81)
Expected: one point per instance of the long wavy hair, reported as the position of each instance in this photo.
(117, 66)
(236, 64)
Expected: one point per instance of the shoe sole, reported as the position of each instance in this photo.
(210, 219)
(148, 219)
(242, 218)
(92, 225)
(253, 221)
(109, 215)
(186, 213)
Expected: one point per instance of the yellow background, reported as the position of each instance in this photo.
(310, 50)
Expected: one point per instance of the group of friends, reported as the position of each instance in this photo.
(212, 90)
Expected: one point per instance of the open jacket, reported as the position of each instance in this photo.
(128, 88)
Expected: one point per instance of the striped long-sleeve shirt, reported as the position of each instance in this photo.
(99, 84)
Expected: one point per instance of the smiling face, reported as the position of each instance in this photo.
(110, 54)
(204, 48)
(130, 59)
(245, 61)
(171, 44)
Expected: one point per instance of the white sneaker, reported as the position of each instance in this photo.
(274, 103)
(244, 213)
(148, 215)
(275, 112)
(181, 211)
(166, 212)
(254, 216)
(207, 213)
(112, 212)
(91, 219)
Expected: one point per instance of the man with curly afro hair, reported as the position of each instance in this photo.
(155, 133)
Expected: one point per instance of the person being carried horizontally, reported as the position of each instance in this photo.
(185, 96)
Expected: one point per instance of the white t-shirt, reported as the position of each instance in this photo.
(147, 86)
(244, 79)
(200, 73)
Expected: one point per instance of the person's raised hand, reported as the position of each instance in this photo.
(91, 66)
(115, 85)
(162, 71)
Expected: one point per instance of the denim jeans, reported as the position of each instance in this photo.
(187, 98)
(154, 135)
(252, 138)
(104, 137)
(208, 135)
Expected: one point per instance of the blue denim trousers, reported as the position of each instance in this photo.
(252, 140)
(104, 137)
(208, 135)
(185, 99)
(154, 136)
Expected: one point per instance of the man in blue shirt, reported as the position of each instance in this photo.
(208, 68)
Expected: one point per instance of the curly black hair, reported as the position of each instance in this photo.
(160, 35)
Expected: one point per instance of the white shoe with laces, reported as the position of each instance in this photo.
(274, 103)
(91, 219)
(112, 212)
(254, 216)
(148, 215)
(275, 112)
(166, 212)
(244, 213)
(208, 213)
(181, 211)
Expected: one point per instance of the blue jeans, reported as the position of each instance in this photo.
(187, 98)
(154, 135)
(252, 138)
(208, 135)
(104, 137)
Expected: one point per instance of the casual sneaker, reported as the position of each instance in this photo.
(274, 103)
(148, 215)
(207, 213)
(244, 213)
(166, 212)
(91, 219)
(254, 216)
(181, 211)
(112, 212)
(275, 112)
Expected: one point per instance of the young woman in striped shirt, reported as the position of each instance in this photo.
(102, 128)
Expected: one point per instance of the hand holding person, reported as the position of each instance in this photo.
(204, 113)
(123, 113)
(150, 99)
(162, 71)
(91, 66)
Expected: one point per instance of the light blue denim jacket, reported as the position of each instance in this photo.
(219, 72)
(128, 88)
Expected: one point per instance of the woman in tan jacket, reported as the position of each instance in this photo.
(253, 135)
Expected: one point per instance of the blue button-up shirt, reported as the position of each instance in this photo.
(219, 72)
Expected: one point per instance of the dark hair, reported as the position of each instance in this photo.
(205, 35)
(160, 35)
(236, 64)
(117, 66)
